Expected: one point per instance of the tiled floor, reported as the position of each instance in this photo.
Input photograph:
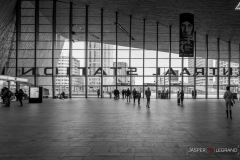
(107, 129)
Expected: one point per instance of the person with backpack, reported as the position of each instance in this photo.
(134, 95)
(128, 93)
(229, 100)
(7, 96)
(148, 95)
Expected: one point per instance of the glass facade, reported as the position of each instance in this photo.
(80, 49)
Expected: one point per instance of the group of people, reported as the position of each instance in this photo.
(136, 95)
(6, 96)
(180, 97)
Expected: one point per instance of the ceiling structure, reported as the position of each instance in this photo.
(215, 18)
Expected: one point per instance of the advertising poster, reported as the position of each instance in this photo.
(34, 92)
(186, 39)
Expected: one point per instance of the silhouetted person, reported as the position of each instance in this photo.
(139, 96)
(123, 92)
(20, 96)
(117, 94)
(2, 91)
(178, 97)
(182, 96)
(128, 94)
(228, 96)
(167, 93)
(192, 93)
(62, 95)
(134, 95)
(7, 96)
(148, 95)
(98, 93)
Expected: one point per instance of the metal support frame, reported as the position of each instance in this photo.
(36, 41)
(170, 57)
(144, 30)
(53, 45)
(182, 74)
(116, 50)
(130, 50)
(238, 68)
(218, 64)
(229, 62)
(157, 63)
(18, 35)
(86, 53)
(195, 63)
(206, 76)
(70, 49)
(101, 53)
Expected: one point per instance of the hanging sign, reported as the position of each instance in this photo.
(186, 40)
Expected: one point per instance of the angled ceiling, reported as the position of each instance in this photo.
(215, 18)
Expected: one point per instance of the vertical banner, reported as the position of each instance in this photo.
(186, 36)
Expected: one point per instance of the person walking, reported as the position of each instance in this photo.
(178, 97)
(228, 96)
(192, 94)
(123, 93)
(134, 95)
(182, 96)
(148, 95)
(98, 93)
(118, 94)
(20, 96)
(128, 93)
(139, 96)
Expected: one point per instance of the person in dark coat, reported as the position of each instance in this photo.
(182, 96)
(192, 93)
(128, 94)
(118, 94)
(134, 95)
(20, 96)
(178, 97)
(123, 92)
(98, 93)
(7, 96)
(139, 96)
(2, 91)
